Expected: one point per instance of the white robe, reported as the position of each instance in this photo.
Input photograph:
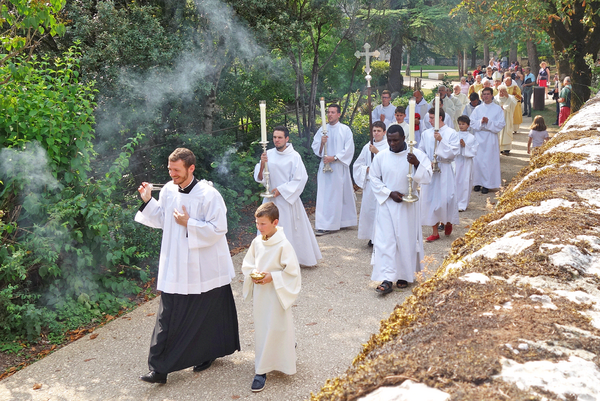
(423, 109)
(288, 174)
(193, 259)
(388, 111)
(464, 169)
(460, 101)
(398, 246)
(275, 342)
(486, 164)
(336, 206)
(366, 220)
(438, 198)
(508, 104)
(449, 107)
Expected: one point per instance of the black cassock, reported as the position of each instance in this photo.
(192, 329)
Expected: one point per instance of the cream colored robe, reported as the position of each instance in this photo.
(275, 342)
(518, 114)
(505, 137)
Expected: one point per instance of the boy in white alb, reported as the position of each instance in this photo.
(464, 163)
(400, 114)
(368, 206)
(271, 256)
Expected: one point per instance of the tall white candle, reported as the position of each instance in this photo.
(263, 120)
(322, 102)
(437, 112)
(411, 120)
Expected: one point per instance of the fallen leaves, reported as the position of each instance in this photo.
(37, 386)
(93, 336)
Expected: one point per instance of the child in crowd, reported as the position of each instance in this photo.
(271, 256)
(464, 163)
(400, 114)
(537, 135)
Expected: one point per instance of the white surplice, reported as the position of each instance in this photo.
(464, 169)
(438, 198)
(398, 244)
(505, 136)
(388, 111)
(336, 205)
(486, 164)
(193, 259)
(288, 174)
(275, 342)
(368, 206)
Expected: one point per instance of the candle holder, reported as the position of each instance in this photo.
(434, 165)
(267, 193)
(326, 167)
(410, 197)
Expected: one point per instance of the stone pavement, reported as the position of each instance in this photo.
(336, 312)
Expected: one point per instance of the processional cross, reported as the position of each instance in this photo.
(367, 54)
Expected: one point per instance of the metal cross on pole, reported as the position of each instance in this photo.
(368, 77)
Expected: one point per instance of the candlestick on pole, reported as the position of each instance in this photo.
(326, 167)
(411, 144)
(264, 143)
(368, 77)
(434, 165)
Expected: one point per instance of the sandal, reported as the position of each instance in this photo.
(401, 283)
(385, 288)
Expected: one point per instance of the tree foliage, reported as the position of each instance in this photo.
(24, 25)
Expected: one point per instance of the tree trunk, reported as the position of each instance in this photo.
(486, 54)
(395, 80)
(473, 57)
(532, 57)
(464, 63)
(345, 108)
(301, 95)
(512, 55)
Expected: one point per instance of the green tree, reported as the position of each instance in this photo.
(25, 24)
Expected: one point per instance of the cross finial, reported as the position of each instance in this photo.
(367, 55)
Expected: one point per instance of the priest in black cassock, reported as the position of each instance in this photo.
(197, 318)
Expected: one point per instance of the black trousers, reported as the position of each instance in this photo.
(192, 329)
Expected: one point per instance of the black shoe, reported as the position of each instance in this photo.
(525, 113)
(370, 243)
(441, 226)
(484, 190)
(154, 377)
(477, 188)
(258, 384)
(528, 115)
(203, 366)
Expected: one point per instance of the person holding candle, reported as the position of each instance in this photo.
(271, 256)
(336, 207)
(398, 244)
(487, 120)
(438, 198)
(288, 177)
(360, 171)
(197, 319)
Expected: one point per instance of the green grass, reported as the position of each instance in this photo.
(430, 67)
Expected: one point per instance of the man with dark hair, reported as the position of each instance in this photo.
(197, 318)
(385, 111)
(438, 197)
(335, 207)
(288, 177)
(487, 120)
(360, 171)
(528, 83)
(398, 243)
(473, 102)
